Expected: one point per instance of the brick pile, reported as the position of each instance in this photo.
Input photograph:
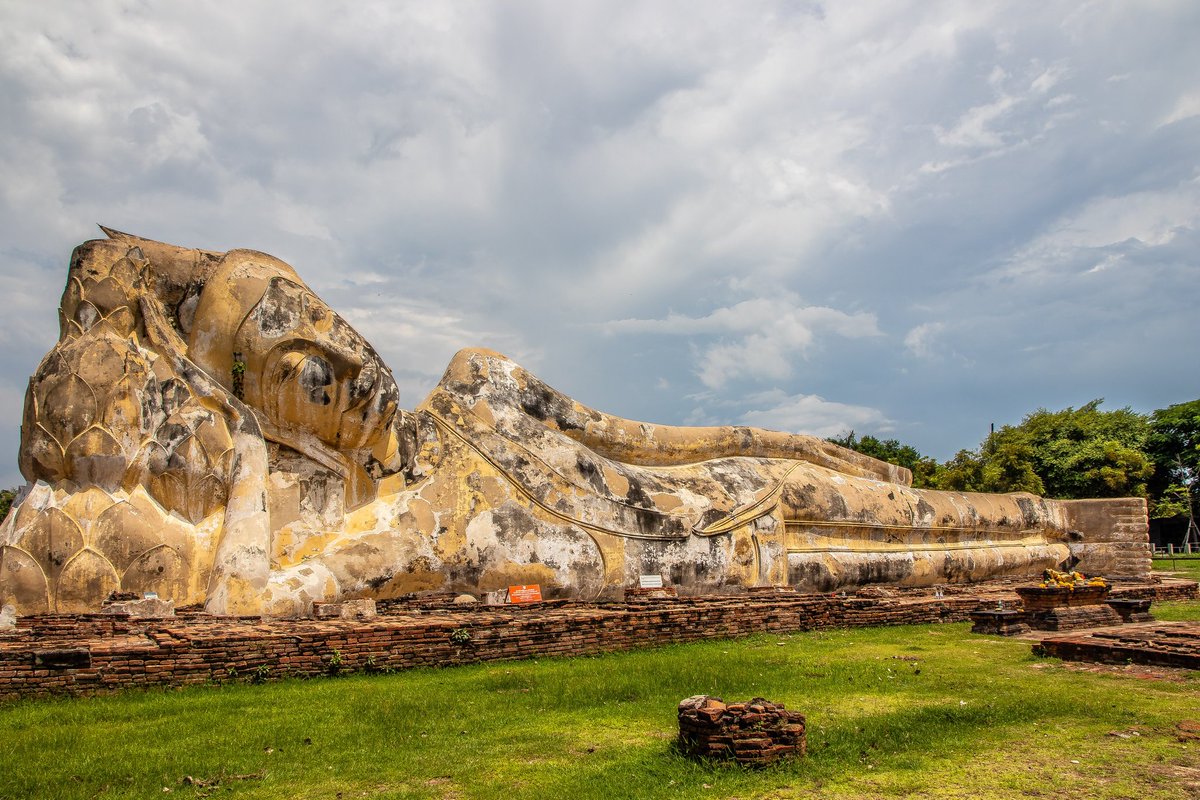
(98, 653)
(754, 734)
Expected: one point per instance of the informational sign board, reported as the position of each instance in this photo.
(650, 581)
(529, 593)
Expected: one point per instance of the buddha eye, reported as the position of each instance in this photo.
(311, 373)
(315, 375)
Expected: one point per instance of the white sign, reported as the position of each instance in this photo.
(650, 581)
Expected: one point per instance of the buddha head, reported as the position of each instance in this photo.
(257, 329)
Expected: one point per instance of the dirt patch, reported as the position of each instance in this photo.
(1138, 671)
(1187, 730)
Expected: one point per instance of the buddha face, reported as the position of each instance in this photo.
(299, 364)
(307, 368)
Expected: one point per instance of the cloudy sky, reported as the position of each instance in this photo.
(906, 218)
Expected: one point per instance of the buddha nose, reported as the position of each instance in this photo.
(363, 385)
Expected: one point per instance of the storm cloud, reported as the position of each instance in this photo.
(905, 218)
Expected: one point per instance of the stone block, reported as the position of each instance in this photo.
(363, 608)
(145, 608)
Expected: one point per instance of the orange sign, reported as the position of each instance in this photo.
(531, 593)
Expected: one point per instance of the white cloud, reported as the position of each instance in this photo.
(921, 341)
(759, 338)
(1186, 107)
(809, 413)
(1096, 236)
(975, 128)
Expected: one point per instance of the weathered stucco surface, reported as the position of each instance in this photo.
(208, 429)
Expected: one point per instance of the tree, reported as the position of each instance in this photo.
(892, 451)
(963, 473)
(1174, 446)
(6, 500)
(1073, 453)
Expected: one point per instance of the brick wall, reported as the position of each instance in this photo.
(68, 654)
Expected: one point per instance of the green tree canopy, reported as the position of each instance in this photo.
(1174, 447)
(6, 500)
(892, 451)
(1073, 453)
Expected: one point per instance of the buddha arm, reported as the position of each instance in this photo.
(505, 387)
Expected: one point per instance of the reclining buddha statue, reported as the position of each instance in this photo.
(207, 429)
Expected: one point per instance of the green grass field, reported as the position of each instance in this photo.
(1180, 566)
(925, 711)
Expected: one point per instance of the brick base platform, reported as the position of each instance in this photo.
(1132, 610)
(1162, 644)
(1070, 618)
(999, 623)
(68, 654)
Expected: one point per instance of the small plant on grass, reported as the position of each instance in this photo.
(334, 663)
(260, 674)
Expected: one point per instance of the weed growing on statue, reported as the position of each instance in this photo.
(239, 376)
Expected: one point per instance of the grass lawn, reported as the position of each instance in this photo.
(1180, 566)
(924, 711)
